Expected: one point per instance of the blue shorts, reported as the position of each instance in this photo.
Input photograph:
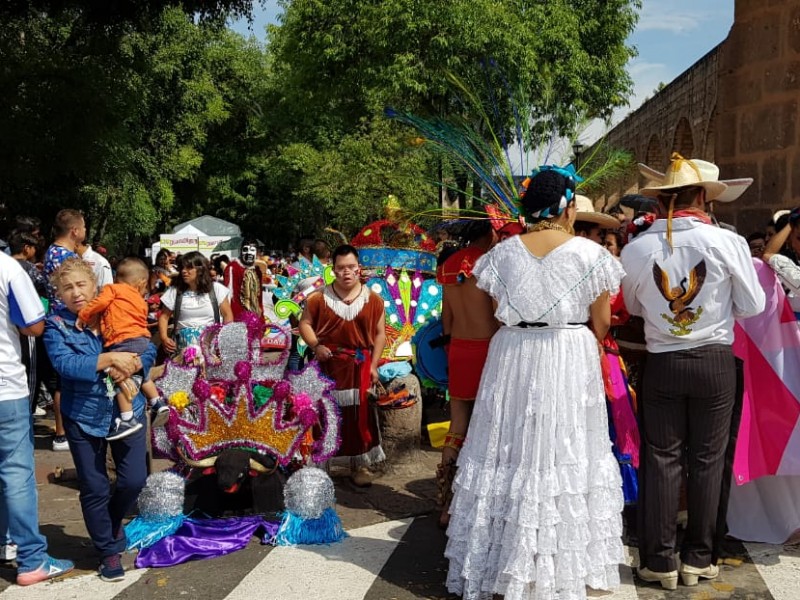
(137, 345)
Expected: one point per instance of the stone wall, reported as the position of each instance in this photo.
(679, 118)
(757, 133)
(738, 107)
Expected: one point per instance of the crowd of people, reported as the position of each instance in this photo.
(77, 331)
(533, 484)
(544, 450)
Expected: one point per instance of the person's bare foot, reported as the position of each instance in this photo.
(361, 477)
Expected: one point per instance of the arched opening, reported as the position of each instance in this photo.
(653, 157)
(683, 141)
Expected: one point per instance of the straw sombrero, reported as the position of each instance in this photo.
(588, 214)
(736, 187)
(693, 172)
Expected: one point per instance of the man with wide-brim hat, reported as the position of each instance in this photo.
(640, 204)
(688, 280)
(590, 223)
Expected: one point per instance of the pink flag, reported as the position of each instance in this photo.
(769, 435)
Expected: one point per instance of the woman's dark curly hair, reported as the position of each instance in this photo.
(205, 285)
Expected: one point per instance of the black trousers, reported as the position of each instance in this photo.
(720, 549)
(28, 355)
(686, 408)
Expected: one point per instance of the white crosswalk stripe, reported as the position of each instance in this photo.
(81, 587)
(345, 571)
(366, 566)
(779, 566)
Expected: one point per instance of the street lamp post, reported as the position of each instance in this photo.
(577, 150)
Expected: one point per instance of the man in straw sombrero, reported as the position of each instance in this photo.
(688, 280)
(590, 223)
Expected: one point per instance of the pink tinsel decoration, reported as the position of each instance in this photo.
(201, 389)
(282, 390)
(254, 323)
(308, 417)
(301, 401)
(190, 355)
(242, 370)
(304, 409)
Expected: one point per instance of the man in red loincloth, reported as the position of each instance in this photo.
(468, 319)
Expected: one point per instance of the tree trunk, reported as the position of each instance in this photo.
(99, 228)
(401, 428)
(462, 183)
(444, 199)
(476, 192)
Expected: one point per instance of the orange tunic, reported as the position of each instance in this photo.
(124, 313)
(351, 339)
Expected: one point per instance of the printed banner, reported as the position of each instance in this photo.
(179, 242)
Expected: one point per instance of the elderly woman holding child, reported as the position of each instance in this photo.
(89, 411)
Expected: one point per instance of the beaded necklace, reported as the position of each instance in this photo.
(542, 225)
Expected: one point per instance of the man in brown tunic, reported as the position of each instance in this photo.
(343, 324)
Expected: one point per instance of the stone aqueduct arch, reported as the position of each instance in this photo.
(683, 139)
(653, 157)
(680, 118)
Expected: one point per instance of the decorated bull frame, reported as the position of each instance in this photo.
(237, 417)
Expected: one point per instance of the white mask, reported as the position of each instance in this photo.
(249, 255)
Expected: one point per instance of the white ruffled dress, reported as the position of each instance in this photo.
(537, 507)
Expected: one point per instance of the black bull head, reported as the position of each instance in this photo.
(235, 482)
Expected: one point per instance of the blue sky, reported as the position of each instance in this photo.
(671, 36)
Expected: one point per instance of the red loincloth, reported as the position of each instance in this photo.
(465, 362)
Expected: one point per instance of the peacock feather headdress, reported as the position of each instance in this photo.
(499, 159)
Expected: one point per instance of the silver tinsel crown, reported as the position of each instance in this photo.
(309, 492)
(162, 496)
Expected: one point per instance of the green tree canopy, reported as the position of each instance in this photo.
(337, 61)
(122, 12)
(143, 119)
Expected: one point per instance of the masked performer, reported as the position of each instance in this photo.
(343, 324)
(243, 279)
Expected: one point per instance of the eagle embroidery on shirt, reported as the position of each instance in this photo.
(680, 297)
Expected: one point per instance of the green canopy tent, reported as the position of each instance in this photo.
(208, 225)
(231, 245)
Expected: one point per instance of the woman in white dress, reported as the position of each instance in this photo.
(537, 507)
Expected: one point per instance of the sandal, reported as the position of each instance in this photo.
(445, 474)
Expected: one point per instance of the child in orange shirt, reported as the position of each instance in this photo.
(123, 325)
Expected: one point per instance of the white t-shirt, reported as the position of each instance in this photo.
(689, 297)
(196, 309)
(19, 307)
(100, 266)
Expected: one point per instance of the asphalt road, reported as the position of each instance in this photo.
(394, 552)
